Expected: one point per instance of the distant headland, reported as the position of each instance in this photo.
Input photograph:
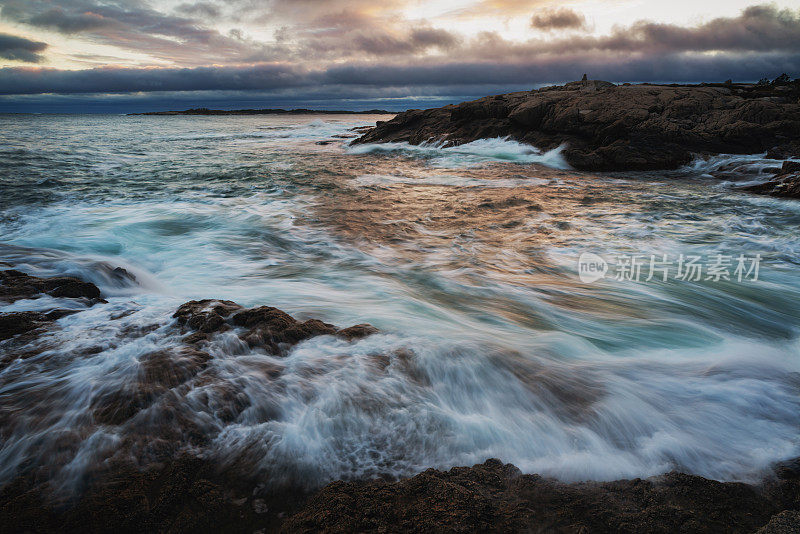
(609, 127)
(302, 111)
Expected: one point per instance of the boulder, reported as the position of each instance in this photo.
(16, 285)
(783, 185)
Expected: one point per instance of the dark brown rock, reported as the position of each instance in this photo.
(358, 331)
(15, 323)
(790, 166)
(188, 494)
(159, 372)
(786, 522)
(783, 185)
(16, 285)
(608, 127)
(265, 327)
(12, 324)
(493, 497)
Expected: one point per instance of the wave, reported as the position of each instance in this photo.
(500, 149)
(735, 167)
(391, 405)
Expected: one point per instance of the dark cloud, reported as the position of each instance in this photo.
(435, 37)
(129, 80)
(417, 40)
(59, 20)
(342, 47)
(758, 28)
(550, 69)
(20, 49)
(558, 19)
(204, 9)
(134, 25)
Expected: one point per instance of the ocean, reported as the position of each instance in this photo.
(493, 342)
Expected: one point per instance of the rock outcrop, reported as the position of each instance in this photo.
(784, 184)
(16, 285)
(493, 497)
(191, 494)
(608, 127)
(264, 326)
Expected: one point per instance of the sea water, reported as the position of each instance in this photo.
(466, 259)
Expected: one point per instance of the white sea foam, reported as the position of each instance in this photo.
(394, 404)
(734, 166)
(483, 352)
(469, 154)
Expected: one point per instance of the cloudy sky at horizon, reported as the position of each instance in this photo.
(127, 55)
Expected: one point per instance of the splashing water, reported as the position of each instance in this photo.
(464, 258)
(472, 153)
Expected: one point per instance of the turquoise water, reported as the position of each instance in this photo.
(465, 258)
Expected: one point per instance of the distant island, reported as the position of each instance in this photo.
(302, 111)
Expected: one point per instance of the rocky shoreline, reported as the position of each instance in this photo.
(182, 492)
(190, 494)
(608, 127)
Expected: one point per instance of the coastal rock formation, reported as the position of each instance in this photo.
(191, 494)
(785, 184)
(265, 327)
(16, 285)
(493, 497)
(607, 127)
(164, 371)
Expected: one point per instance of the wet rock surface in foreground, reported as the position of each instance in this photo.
(193, 495)
(16, 285)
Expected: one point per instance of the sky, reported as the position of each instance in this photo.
(119, 56)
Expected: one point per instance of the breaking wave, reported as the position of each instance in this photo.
(469, 154)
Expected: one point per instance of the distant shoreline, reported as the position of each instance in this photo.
(302, 111)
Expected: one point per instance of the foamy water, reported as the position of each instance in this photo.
(464, 258)
(472, 153)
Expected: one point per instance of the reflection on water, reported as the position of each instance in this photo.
(490, 345)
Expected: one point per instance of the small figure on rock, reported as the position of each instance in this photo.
(584, 78)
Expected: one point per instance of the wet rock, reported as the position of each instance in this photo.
(16, 285)
(259, 506)
(358, 331)
(122, 275)
(783, 185)
(786, 522)
(205, 315)
(189, 494)
(790, 166)
(12, 324)
(159, 372)
(608, 127)
(493, 497)
(15, 323)
(263, 326)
